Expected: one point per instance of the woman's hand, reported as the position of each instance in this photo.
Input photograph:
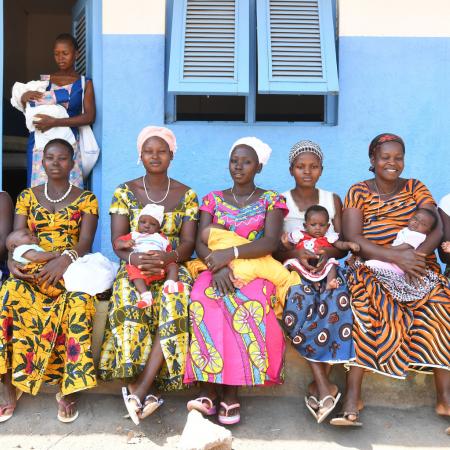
(31, 96)
(221, 281)
(42, 122)
(218, 259)
(16, 270)
(411, 262)
(53, 271)
(152, 263)
(305, 258)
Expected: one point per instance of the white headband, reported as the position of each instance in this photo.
(262, 150)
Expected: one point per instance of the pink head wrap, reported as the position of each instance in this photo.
(161, 132)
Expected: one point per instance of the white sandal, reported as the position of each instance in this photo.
(132, 409)
(150, 406)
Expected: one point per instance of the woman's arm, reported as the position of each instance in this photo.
(408, 260)
(53, 271)
(334, 252)
(266, 245)
(434, 238)
(6, 222)
(201, 249)
(85, 118)
(20, 222)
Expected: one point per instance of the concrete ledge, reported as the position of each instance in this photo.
(378, 390)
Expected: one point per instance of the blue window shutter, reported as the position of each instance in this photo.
(81, 32)
(209, 52)
(296, 47)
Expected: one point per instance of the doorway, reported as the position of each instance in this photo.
(30, 28)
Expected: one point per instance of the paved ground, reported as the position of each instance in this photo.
(268, 423)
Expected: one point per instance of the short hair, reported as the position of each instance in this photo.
(431, 214)
(67, 37)
(317, 209)
(62, 142)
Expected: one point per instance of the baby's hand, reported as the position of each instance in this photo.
(354, 247)
(446, 246)
(124, 245)
(285, 241)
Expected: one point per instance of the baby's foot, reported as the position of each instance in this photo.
(332, 284)
(145, 301)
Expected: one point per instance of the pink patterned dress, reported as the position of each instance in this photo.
(235, 339)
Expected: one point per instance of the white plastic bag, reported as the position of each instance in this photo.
(89, 148)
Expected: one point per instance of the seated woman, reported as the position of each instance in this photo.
(392, 337)
(46, 338)
(235, 337)
(148, 346)
(61, 89)
(317, 320)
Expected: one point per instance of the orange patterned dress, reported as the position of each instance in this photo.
(392, 337)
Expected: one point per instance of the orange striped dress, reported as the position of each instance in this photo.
(391, 337)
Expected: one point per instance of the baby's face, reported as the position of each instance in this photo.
(148, 224)
(420, 222)
(317, 224)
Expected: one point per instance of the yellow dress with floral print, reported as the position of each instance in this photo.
(46, 338)
(130, 331)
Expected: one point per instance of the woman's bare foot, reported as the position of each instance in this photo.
(67, 407)
(443, 409)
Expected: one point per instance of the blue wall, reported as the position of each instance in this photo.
(386, 84)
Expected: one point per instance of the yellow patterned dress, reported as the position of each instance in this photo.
(130, 331)
(45, 338)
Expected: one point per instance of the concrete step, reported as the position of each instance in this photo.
(378, 390)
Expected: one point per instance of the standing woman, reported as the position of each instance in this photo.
(393, 337)
(317, 320)
(235, 337)
(148, 347)
(44, 337)
(64, 88)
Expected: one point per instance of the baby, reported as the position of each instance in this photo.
(24, 248)
(246, 270)
(146, 238)
(420, 225)
(315, 238)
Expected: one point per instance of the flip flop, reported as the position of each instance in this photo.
(150, 406)
(199, 405)
(448, 431)
(308, 401)
(342, 419)
(132, 409)
(4, 417)
(59, 400)
(226, 419)
(324, 411)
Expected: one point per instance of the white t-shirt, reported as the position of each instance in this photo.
(410, 237)
(295, 218)
(444, 204)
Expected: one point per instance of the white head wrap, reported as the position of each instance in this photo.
(156, 211)
(262, 150)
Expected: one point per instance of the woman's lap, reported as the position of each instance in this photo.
(45, 339)
(319, 322)
(130, 332)
(235, 340)
(392, 337)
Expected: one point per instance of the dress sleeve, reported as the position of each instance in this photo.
(421, 194)
(355, 197)
(119, 204)
(89, 204)
(209, 204)
(23, 203)
(276, 201)
(191, 206)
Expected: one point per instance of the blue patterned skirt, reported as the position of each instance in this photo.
(319, 322)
